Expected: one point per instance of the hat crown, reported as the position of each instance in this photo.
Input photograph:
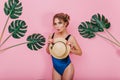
(59, 49)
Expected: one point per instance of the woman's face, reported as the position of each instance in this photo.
(59, 25)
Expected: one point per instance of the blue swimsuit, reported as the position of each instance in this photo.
(61, 64)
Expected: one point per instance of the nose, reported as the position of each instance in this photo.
(57, 26)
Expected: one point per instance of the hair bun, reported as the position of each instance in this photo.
(67, 17)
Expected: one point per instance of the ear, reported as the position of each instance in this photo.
(65, 24)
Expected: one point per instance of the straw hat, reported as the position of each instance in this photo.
(59, 49)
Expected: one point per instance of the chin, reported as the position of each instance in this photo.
(59, 31)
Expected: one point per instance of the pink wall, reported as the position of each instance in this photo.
(100, 59)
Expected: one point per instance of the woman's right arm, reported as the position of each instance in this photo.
(48, 43)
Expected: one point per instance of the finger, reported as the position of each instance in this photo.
(68, 43)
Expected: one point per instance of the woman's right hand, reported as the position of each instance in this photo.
(50, 41)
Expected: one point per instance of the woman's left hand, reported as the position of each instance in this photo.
(71, 46)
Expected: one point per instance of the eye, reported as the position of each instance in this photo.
(59, 22)
(54, 23)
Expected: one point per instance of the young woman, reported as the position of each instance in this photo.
(66, 71)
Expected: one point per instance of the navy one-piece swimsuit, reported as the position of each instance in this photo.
(61, 64)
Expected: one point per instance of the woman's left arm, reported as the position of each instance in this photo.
(75, 48)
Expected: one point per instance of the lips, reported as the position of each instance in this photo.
(58, 29)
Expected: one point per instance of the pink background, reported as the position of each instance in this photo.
(100, 59)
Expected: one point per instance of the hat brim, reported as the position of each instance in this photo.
(66, 47)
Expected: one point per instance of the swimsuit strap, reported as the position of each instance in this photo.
(65, 38)
(53, 35)
(68, 37)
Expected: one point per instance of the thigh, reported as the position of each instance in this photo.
(68, 73)
(55, 75)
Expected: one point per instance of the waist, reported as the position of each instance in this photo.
(67, 59)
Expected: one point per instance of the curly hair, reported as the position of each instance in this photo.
(62, 16)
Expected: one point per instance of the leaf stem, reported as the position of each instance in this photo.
(112, 36)
(13, 46)
(108, 40)
(4, 29)
(5, 40)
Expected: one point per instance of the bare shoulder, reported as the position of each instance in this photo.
(72, 38)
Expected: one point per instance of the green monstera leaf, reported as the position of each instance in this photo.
(17, 28)
(35, 41)
(99, 22)
(85, 29)
(13, 8)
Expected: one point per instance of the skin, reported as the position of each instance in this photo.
(61, 31)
